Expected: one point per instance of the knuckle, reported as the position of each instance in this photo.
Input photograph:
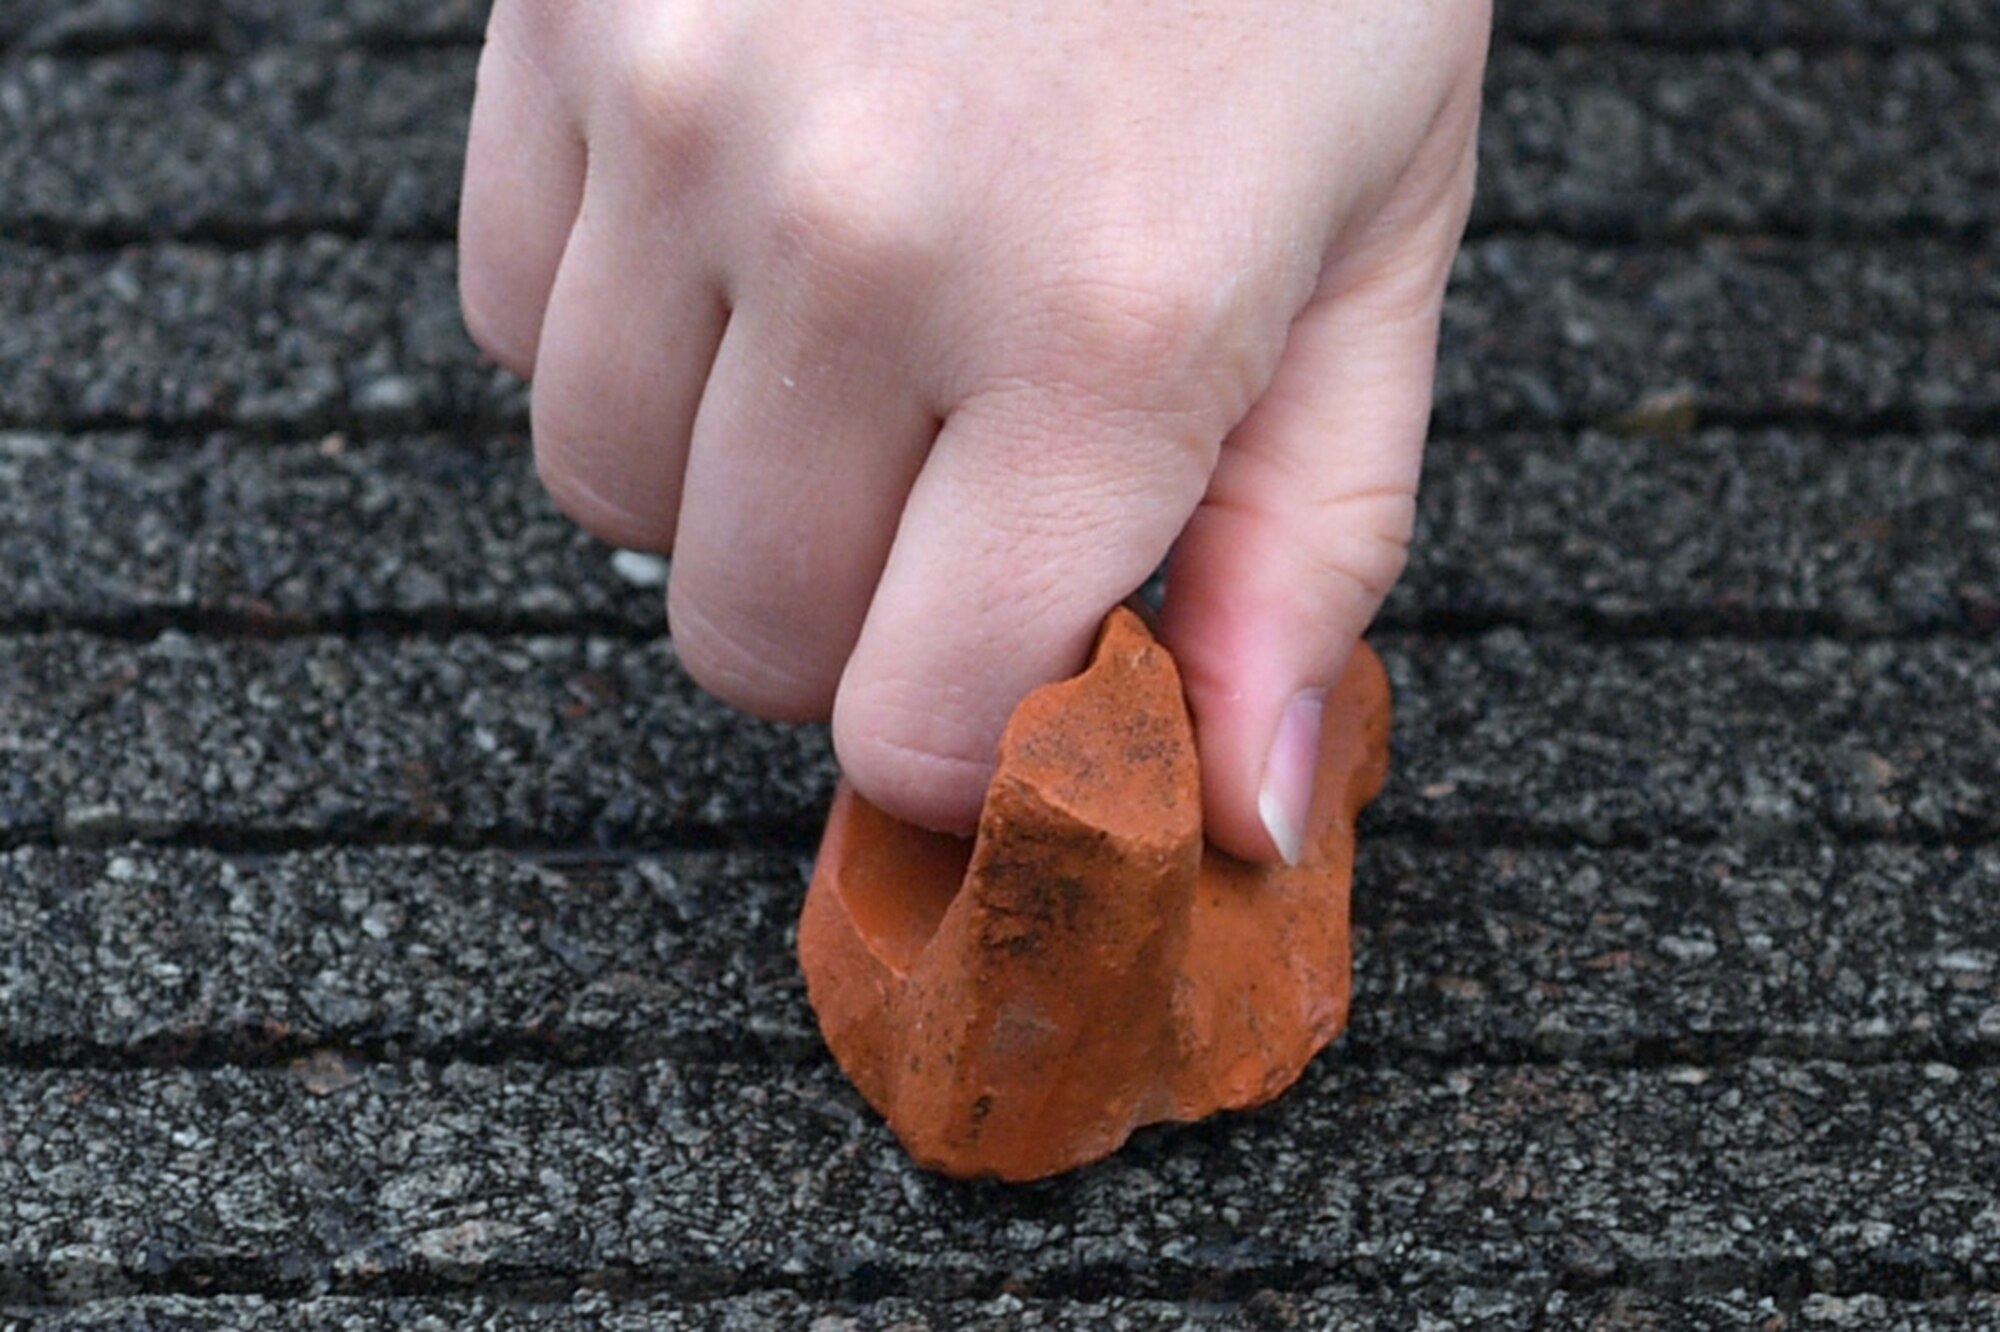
(1368, 541)
(673, 84)
(1143, 322)
(1140, 353)
(665, 86)
(1169, 334)
(851, 204)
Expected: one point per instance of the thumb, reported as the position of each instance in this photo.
(1302, 532)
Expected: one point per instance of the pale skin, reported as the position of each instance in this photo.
(920, 331)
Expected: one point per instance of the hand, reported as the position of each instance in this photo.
(920, 330)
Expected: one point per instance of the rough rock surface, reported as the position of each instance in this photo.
(1017, 1005)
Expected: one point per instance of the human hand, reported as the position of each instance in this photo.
(920, 330)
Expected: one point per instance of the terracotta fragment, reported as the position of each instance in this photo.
(1018, 1004)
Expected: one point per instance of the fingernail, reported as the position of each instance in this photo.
(1285, 798)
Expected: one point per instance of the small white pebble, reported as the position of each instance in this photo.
(1965, 959)
(639, 569)
(1687, 947)
(19, 444)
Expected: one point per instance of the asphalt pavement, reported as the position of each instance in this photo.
(392, 936)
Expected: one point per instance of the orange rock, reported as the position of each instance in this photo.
(1018, 1004)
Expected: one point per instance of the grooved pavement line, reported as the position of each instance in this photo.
(719, 1177)
(1776, 532)
(1670, 955)
(578, 742)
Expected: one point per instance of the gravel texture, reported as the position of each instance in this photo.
(136, 954)
(1870, 334)
(434, 530)
(1649, 142)
(391, 936)
(710, 1178)
(97, 25)
(95, 149)
(470, 738)
(1766, 531)
(1519, 1308)
(1891, 23)
(287, 334)
(1769, 531)
(1523, 1308)
(143, 955)
(554, 740)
